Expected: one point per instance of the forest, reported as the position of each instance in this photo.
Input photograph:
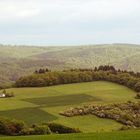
(45, 77)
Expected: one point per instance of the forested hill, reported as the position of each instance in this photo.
(16, 61)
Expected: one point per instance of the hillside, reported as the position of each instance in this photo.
(36, 105)
(16, 61)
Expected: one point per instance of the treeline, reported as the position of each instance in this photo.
(42, 70)
(106, 73)
(108, 68)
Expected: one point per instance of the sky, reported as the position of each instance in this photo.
(69, 22)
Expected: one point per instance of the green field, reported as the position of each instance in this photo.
(36, 105)
(126, 135)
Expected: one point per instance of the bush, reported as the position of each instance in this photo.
(125, 127)
(41, 129)
(138, 96)
(36, 130)
(61, 129)
(10, 127)
(27, 131)
(9, 94)
(18, 128)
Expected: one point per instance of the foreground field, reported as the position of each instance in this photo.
(126, 135)
(36, 105)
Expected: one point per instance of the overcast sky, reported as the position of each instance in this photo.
(69, 22)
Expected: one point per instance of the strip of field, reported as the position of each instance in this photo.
(62, 100)
(126, 135)
(33, 115)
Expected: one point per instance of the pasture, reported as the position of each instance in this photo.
(125, 135)
(37, 105)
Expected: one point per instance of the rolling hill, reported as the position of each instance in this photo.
(16, 61)
(37, 105)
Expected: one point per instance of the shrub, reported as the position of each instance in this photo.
(61, 129)
(10, 127)
(138, 96)
(36, 130)
(18, 128)
(125, 127)
(41, 129)
(9, 94)
(27, 131)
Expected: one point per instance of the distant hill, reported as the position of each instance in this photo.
(22, 60)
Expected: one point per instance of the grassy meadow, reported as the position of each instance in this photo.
(36, 105)
(125, 135)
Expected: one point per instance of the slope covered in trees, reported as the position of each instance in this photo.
(16, 61)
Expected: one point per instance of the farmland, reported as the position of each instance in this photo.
(126, 135)
(37, 105)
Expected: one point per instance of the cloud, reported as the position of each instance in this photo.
(69, 10)
(13, 9)
(69, 20)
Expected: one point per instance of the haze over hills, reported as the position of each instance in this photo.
(16, 61)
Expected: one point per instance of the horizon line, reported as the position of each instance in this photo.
(66, 45)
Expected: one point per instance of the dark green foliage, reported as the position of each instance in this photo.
(107, 73)
(61, 129)
(138, 96)
(26, 131)
(18, 128)
(41, 129)
(10, 127)
(40, 71)
(137, 86)
(48, 128)
(106, 68)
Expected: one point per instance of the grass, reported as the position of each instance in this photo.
(35, 105)
(125, 135)
(32, 115)
(61, 100)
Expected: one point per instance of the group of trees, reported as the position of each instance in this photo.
(108, 68)
(100, 68)
(81, 75)
(12, 127)
(126, 113)
(40, 71)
